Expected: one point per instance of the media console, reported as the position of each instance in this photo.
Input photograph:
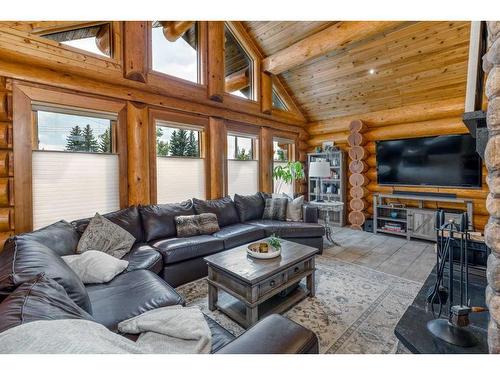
(413, 222)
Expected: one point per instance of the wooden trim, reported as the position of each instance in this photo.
(236, 127)
(23, 186)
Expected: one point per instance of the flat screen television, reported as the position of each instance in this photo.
(450, 161)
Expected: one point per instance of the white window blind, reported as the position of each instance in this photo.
(243, 177)
(71, 186)
(179, 179)
(279, 185)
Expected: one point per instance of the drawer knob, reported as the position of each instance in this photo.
(272, 283)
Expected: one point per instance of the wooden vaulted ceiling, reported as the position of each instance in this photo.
(413, 62)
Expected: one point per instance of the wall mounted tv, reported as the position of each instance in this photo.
(450, 161)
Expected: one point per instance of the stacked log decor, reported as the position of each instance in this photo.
(492, 158)
(6, 159)
(357, 180)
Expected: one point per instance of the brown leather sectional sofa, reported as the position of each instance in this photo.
(159, 261)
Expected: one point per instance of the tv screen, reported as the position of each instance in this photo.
(449, 160)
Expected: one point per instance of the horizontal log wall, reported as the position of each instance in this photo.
(422, 120)
(6, 170)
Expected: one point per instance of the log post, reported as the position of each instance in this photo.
(357, 180)
(217, 138)
(135, 52)
(215, 61)
(137, 154)
(266, 160)
(173, 30)
(491, 65)
(266, 93)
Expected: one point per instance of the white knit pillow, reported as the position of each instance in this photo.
(95, 267)
(294, 209)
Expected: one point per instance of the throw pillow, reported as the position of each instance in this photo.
(224, 208)
(95, 267)
(195, 225)
(103, 235)
(40, 298)
(275, 209)
(294, 209)
(249, 207)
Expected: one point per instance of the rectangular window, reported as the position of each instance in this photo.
(175, 49)
(239, 67)
(242, 164)
(180, 168)
(283, 153)
(96, 39)
(75, 166)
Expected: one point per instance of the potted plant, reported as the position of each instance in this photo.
(275, 242)
(286, 174)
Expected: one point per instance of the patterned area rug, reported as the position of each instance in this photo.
(355, 308)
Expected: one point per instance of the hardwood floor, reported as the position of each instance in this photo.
(411, 260)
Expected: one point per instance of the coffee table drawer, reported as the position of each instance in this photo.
(272, 283)
(297, 269)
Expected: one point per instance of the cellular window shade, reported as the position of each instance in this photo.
(243, 177)
(73, 185)
(179, 179)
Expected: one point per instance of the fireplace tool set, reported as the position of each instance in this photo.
(453, 329)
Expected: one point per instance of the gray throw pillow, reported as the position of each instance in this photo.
(275, 209)
(195, 225)
(95, 267)
(103, 235)
(294, 209)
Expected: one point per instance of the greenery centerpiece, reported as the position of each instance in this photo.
(286, 174)
(275, 242)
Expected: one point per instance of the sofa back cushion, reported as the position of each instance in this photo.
(60, 237)
(159, 219)
(224, 208)
(22, 259)
(128, 218)
(40, 298)
(249, 207)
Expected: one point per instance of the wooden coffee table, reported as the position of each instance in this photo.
(251, 287)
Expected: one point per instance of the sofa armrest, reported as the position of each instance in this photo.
(310, 213)
(274, 335)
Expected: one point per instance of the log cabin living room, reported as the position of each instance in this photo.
(249, 187)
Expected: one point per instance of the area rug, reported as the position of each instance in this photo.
(354, 311)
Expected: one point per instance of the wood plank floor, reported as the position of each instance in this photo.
(411, 260)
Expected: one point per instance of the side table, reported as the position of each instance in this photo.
(327, 207)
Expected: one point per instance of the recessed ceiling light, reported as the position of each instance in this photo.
(371, 71)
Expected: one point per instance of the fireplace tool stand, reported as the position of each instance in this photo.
(454, 329)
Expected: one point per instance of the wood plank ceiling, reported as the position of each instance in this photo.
(412, 62)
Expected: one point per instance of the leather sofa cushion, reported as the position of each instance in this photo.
(143, 257)
(38, 299)
(60, 237)
(130, 294)
(289, 229)
(239, 234)
(128, 219)
(178, 249)
(22, 259)
(220, 336)
(159, 220)
(224, 208)
(249, 207)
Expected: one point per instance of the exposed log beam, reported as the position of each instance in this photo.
(173, 30)
(215, 84)
(327, 40)
(237, 80)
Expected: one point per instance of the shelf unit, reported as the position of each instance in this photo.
(336, 184)
(413, 222)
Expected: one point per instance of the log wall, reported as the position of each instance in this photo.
(491, 65)
(422, 120)
(6, 169)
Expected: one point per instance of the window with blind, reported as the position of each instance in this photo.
(75, 165)
(180, 166)
(242, 164)
(282, 154)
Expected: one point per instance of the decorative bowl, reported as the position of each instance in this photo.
(394, 215)
(254, 251)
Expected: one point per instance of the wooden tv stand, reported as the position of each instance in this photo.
(415, 222)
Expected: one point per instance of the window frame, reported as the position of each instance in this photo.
(291, 141)
(26, 95)
(173, 117)
(254, 156)
(184, 126)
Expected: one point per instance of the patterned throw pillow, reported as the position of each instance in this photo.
(275, 209)
(294, 209)
(103, 235)
(195, 225)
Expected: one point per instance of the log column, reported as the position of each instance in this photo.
(357, 180)
(6, 163)
(492, 159)
(217, 139)
(135, 51)
(266, 160)
(215, 65)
